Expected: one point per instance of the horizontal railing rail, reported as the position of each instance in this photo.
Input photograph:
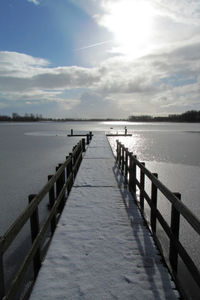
(57, 188)
(132, 168)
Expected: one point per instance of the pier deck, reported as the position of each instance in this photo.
(101, 248)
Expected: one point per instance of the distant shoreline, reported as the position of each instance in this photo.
(98, 120)
(191, 116)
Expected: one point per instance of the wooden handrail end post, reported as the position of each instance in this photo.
(83, 145)
(35, 228)
(175, 227)
(142, 187)
(154, 195)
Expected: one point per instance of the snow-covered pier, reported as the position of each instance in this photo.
(101, 248)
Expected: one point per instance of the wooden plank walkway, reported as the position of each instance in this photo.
(101, 248)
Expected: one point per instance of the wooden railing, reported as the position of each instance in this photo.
(135, 174)
(57, 189)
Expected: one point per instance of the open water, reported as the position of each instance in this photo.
(29, 152)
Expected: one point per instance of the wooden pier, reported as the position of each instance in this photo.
(118, 134)
(88, 135)
(101, 248)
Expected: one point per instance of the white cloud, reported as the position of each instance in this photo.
(20, 65)
(36, 2)
(21, 72)
(68, 104)
(184, 11)
(163, 82)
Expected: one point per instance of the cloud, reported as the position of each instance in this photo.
(36, 2)
(21, 72)
(161, 82)
(67, 104)
(24, 78)
(185, 11)
(20, 65)
(93, 105)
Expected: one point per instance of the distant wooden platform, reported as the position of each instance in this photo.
(74, 135)
(118, 134)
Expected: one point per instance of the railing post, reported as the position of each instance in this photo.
(117, 152)
(77, 161)
(88, 139)
(175, 225)
(123, 161)
(75, 156)
(79, 157)
(80, 154)
(51, 203)
(2, 282)
(90, 133)
(35, 228)
(133, 172)
(120, 155)
(75, 166)
(62, 175)
(70, 172)
(83, 145)
(142, 186)
(126, 166)
(72, 169)
(59, 184)
(154, 204)
(130, 170)
(72, 132)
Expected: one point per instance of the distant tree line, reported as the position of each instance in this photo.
(34, 118)
(188, 116)
(18, 118)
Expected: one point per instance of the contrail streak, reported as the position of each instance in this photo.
(94, 45)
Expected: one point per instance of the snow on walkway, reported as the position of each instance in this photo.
(101, 248)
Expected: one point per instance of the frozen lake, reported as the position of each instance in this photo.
(29, 152)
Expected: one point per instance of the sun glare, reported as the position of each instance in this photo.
(131, 23)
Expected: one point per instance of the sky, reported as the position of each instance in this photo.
(99, 58)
